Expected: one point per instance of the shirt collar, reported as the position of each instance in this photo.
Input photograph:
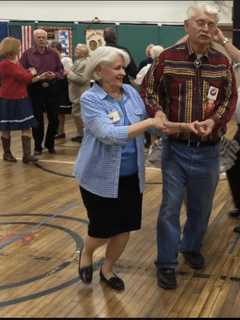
(102, 94)
(35, 50)
(191, 53)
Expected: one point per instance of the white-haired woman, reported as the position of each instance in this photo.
(110, 163)
(155, 52)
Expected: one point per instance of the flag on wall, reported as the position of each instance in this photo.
(23, 33)
(26, 38)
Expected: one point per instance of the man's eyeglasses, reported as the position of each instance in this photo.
(203, 23)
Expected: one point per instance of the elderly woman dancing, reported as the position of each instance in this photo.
(110, 163)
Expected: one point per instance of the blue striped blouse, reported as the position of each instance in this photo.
(97, 167)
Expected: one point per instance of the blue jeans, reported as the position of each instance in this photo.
(191, 173)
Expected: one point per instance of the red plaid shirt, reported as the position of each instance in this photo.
(179, 84)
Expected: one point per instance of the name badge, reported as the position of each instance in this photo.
(114, 116)
(212, 93)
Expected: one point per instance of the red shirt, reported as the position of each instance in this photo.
(48, 60)
(14, 80)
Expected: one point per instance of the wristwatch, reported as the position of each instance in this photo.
(225, 40)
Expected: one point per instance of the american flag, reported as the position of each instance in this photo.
(26, 38)
(23, 33)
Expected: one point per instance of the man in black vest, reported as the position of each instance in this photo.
(110, 38)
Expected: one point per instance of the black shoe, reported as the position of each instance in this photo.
(235, 213)
(237, 228)
(194, 259)
(166, 278)
(52, 151)
(85, 273)
(60, 136)
(114, 282)
(37, 152)
(77, 139)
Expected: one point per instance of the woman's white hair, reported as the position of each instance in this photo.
(104, 55)
(193, 10)
(156, 50)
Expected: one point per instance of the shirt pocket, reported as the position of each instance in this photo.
(137, 115)
(112, 109)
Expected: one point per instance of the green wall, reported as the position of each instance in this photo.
(137, 37)
(133, 36)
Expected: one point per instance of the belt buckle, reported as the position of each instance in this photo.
(193, 143)
(45, 84)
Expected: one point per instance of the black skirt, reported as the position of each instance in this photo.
(16, 114)
(112, 216)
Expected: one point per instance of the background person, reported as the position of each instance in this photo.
(77, 85)
(233, 174)
(148, 59)
(44, 91)
(15, 106)
(110, 38)
(63, 97)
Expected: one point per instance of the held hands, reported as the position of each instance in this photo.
(33, 71)
(45, 76)
(177, 127)
(200, 128)
(161, 122)
(204, 128)
(49, 75)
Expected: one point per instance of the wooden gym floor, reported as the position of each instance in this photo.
(42, 226)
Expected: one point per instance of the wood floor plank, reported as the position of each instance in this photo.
(37, 195)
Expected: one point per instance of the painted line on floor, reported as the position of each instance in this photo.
(37, 226)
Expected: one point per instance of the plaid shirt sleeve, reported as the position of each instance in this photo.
(152, 85)
(226, 109)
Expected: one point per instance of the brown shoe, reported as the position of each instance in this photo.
(9, 157)
(26, 145)
(7, 154)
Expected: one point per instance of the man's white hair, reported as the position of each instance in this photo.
(83, 47)
(36, 31)
(193, 10)
(156, 50)
(104, 55)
